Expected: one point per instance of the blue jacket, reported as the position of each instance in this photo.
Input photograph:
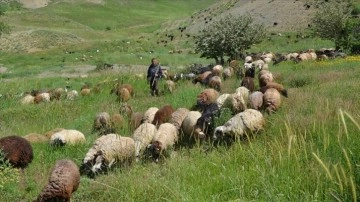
(154, 70)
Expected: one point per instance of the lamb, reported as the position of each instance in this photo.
(178, 116)
(36, 138)
(243, 123)
(17, 150)
(107, 151)
(272, 100)
(215, 83)
(149, 115)
(64, 180)
(67, 137)
(143, 136)
(102, 122)
(163, 115)
(256, 100)
(165, 138)
(169, 86)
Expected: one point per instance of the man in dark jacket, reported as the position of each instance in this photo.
(154, 73)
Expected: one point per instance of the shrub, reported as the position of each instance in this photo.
(8, 174)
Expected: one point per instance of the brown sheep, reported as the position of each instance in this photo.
(125, 109)
(272, 100)
(135, 120)
(215, 83)
(64, 180)
(208, 96)
(203, 78)
(248, 82)
(36, 138)
(163, 115)
(275, 85)
(17, 150)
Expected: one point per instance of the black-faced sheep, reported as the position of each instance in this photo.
(163, 115)
(67, 137)
(17, 150)
(107, 151)
(143, 136)
(165, 138)
(243, 123)
(64, 180)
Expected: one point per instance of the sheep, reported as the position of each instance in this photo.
(48, 134)
(258, 64)
(85, 91)
(135, 120)
(275, 85)
(57, 93)
(123, 95)
(117, 121)
(237, 101)
(28, 99)
(149, 115)
(72, 95)
(227, 73)
(119, 86)
(125, 109)
(272, 100)
(204, 124)
(165, 138)
(256, 100)
(248, 59)
(42, 97)
(143, 136)
(102, 122)
(169, 86)
(207, 96)
(188, 125)
(217, 70)
(36, 138)
(107, 151)
(249, 70)
(203, 78)
(243, 123)
(17, 150)
(163, 115)
(64, 180)
(178, 116)
(67, 137)
(248, 82)
(221, 99)
(215, 83)
(265, 76)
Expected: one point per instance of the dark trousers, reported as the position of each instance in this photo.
(153, 86)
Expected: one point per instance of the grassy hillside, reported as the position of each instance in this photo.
(307, 152)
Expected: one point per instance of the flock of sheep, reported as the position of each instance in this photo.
(157, 130)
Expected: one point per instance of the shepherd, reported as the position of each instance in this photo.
(154, 73)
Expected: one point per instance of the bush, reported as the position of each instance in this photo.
(8, 175)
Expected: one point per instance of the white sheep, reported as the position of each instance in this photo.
(243, 123)
(227, 73)
(72, 95)
(165, 138)
(178, 116)
(67, 137)
(215, 83)
(107, 151)
(188, 125)
(265, 76)
(64, 180)
(256, 100)
(28, 99)
(238, 100)
(149, 115)
(143, 136)
(221, 99)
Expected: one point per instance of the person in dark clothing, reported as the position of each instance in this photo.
(154, 73)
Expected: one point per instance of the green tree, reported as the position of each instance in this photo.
(333, 21)
(228, 37)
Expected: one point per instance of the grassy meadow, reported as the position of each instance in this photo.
(307, 152)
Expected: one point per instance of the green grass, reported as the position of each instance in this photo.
(307, 152)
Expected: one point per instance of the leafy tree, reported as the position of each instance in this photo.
(333, 22)
(230, 36)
